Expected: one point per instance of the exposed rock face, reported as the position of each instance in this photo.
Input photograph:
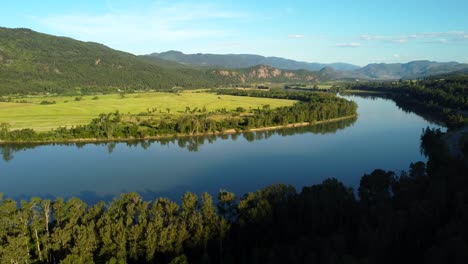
(224, 73)
(262, 72)
(265, 72)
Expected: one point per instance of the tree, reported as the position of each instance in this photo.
(375, 188)
(4, 130)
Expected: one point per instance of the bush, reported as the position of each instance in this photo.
(47, 102)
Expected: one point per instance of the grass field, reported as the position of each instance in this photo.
(67, 112)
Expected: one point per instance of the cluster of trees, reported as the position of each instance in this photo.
(311, 108)
(418, 216)
(443, 97)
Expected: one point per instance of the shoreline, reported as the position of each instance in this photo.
(176, 136)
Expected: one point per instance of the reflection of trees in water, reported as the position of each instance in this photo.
(424, 111)
(8, 150)
(192, 144)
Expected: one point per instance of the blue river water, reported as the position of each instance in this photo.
(383, 136)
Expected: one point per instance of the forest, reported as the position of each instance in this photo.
(312, 107)
(419, 216)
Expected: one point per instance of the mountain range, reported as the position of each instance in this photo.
(32, 62)
(247, 60)
(376, 71)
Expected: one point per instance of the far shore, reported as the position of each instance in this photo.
(175, 136)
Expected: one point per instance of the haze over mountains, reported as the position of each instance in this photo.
(36, 62)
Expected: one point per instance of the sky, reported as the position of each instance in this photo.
(352, 31)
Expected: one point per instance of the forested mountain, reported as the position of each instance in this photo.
(35, 62)
(262, 73)
(247, 60)
(410, 70)
(380, 71)
(32, 62)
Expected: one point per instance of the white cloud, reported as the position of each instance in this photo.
(397, 56)
(296, 36)
(428, 37)
(401, 40)
(373, 37)
(348, 45)
(161, 23)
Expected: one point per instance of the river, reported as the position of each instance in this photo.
(383, 136)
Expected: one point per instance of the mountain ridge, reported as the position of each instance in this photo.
(247, 60)
(409, 70)
(373, 71)
(32, 62)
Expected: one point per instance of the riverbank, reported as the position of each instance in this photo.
(174, 136)
(300, 124)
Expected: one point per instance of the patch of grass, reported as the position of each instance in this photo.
(325, 86)
(68, 112)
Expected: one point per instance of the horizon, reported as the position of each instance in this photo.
(359, 33)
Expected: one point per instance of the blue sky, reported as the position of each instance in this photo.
(354, 31)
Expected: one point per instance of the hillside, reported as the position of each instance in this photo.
(35, 62)
(411, 70)
(263, 73)
(247, 60)
(32, 62)
(335, 71)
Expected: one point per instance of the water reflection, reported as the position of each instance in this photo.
(192, 144)
(402, 105)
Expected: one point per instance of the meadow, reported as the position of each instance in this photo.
(28, 112)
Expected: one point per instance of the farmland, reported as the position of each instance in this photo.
(56, 111)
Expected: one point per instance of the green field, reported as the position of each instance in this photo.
(67, 112)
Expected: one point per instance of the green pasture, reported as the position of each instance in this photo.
(67, 111)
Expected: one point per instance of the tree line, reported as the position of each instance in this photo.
(311, 108)
(419, 216)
